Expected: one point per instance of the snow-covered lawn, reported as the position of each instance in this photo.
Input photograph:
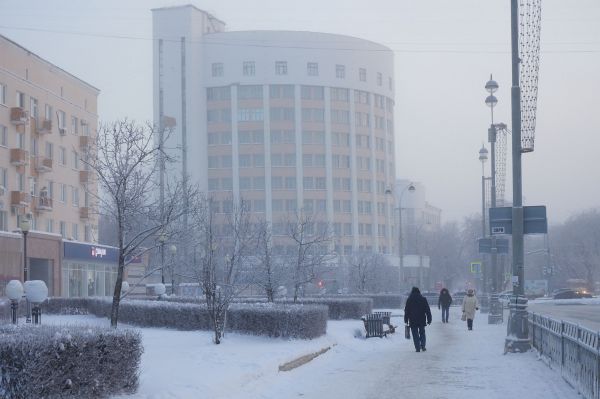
(458, 364)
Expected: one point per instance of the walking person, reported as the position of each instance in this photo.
(417, 314)
(444, 302)
(469, 306)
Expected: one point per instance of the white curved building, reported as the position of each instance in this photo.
(284, 120)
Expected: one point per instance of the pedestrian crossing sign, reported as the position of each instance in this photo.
(475, 267)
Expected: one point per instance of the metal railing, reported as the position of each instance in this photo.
(570, 348)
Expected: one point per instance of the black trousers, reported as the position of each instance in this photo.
(470, 324)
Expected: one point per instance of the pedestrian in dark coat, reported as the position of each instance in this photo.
(444, 302)
(416, 315)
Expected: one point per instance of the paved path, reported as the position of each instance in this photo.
(458, 364)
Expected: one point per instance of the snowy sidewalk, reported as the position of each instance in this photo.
(458, 364)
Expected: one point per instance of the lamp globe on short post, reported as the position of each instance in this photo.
(14, 291)
(159, 290)
(36, 292)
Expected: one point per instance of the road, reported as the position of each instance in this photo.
(587, 315)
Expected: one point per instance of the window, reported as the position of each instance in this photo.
(87, 233)
(277, 205)
(312, 69)
(62, 190)
(34, 146)
(390, 83)
(213, 184)
(250, 114)
(218, 93)
(3, 136)
(379, 79)
(48, 112)
(290, 182)
(63, 229)
(291, 205)
(281, 68)
(20, 140)
(250, 92)
(340, 116)
(245, 161)
(62, 156)
(33, 107)
(312, 92)
(245, 183)
(4, 178)
(259, 205)
(75, 231)
(2, 93)
(74, 125)
(226, 184)
(213, 162)
(313, 114)
(249, 68)
(217, 69)
(226, 161)
(289, 159)
(49, 225)
(61, 119)
(361, 97)
(340, 71)
(339, 94)
(258, 183)
(276, 182)
(281, 114)
(362, 74)
(20, 99)
(281, 91)
(75, 160)
(308, 183)
(320, 183)
(75, 196)
(49, 150)
(258, 160)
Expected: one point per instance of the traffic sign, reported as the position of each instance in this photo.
(476, 267)
(534, 220)
(485, 245)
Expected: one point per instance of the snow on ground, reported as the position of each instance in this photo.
(458, 364)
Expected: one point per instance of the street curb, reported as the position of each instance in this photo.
(303, 359)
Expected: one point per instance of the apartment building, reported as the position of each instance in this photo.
(286, 121)
(48, 120)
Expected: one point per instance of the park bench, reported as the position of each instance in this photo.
(374, 324)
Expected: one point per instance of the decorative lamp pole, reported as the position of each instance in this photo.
(162, 238)
(25, 226)
(411, 188)
(14, 291)
(483, 157)
(495, 315)
(173, 252)
(36, 292)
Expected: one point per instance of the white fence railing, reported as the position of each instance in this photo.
(570, 348)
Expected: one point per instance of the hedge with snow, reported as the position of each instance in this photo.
(273, 320)
(53, 361)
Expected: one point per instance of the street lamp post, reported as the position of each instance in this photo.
(162, 238)
(410, 187)
(25, 225)
(495, 315)
(173, 252)
(483, 157)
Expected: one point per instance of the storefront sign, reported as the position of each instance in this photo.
(90, 252)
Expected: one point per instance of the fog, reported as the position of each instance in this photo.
(444, 54)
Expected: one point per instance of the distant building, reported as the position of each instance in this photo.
(283, 120)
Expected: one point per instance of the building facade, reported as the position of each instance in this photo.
(48, 119)
(286, 121)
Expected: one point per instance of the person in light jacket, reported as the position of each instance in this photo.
(444, 302)
(469, 306)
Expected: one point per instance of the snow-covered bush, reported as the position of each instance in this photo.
(340, 308)
(53, 361)
(278, 320)
(71, 306)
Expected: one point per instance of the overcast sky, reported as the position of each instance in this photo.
(444, 53)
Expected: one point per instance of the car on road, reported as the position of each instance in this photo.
(571, 294)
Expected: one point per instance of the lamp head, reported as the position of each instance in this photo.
(25, 225)
(173, 249)
(491, 101)
(483, 154)
(491, 86)
(412, 187)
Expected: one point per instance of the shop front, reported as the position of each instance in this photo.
(88, 269)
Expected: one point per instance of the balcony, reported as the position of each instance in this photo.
(43, 164)
(19, 157)
(84, 142)
(85, 176)
(43, 126)
(43, 204)
(19, 198)
(18, 116)
(84, 212)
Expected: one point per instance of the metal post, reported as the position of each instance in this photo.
(517, 339)
(400, 249)
(484, 269)
(26, 275)
(495, 316)
(162, 262)
(14, 306)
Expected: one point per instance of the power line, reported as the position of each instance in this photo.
(235, 42)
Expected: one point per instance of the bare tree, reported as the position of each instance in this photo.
(310, 238)
(224, 240)
(269, 272)
(123, 158)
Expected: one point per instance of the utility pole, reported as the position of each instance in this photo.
(517, 339)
